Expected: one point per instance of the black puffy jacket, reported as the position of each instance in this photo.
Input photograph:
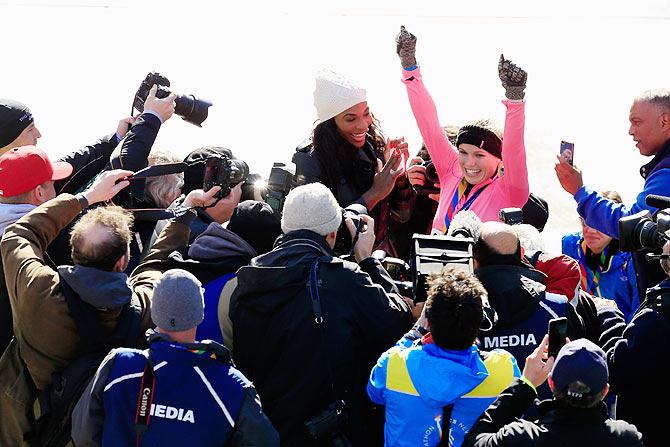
(279, 346)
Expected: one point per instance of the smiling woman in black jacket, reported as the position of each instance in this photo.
(348, 153)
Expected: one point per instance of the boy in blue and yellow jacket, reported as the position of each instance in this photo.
(442, 375)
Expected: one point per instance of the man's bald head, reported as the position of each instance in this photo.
(496, 238)
(101, 237)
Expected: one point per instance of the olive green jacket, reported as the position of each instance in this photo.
(45, 335)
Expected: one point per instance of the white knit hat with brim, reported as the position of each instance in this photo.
(311, 207)
(334, 94)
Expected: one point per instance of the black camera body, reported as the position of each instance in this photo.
(511, 216)
(401, 274)
(431, 179)
(191, 109)
(280, 183)
(639, 232)
(330, 424)
(431, 254)
(224, 172)
(344, 243)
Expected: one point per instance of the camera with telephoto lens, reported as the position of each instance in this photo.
(511, 216)
(431, 179)
(191, 109)
(344, 244)
(330, 425)
(280, 183)
(224, 172)
(639, 232)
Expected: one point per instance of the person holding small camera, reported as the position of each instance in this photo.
(308, 326)
(471, 172)
(575, 415)
(348, 153)
(650, 128)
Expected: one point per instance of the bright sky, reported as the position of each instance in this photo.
(78, 63)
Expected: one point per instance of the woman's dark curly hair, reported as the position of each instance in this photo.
(336, 155)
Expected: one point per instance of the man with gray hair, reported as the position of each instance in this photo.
(177, 392)
(309, 326)
(650, 129)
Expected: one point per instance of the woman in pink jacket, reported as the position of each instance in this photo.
(471, 174)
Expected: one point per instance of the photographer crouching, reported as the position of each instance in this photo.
(309, 326)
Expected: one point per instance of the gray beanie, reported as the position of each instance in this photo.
(178, 303)
(311, 207)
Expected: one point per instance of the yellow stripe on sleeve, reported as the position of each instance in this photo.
(501, 374)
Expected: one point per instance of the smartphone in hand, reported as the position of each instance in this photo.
(567, 151)
(558, 331)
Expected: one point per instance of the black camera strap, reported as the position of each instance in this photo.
(158, 170)
(446, 425)
(156, 214)
(313, 285)
(145, 399)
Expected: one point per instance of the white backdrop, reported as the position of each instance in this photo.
(78, 63)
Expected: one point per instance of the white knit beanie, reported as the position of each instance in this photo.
(311, 207)
(334, 94)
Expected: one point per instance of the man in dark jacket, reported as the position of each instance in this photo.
(522, 305)
(576, 416)
(638, 358)
(198, 398)
(215, 256)
(130, 154)
(17, 198)
(308, 326)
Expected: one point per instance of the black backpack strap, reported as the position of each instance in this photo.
(129, 326)
(446, 425)
(85, 317)
(532, 257)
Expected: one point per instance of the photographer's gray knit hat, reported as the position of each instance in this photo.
(311, 207)
(178, 303)
(334, 94)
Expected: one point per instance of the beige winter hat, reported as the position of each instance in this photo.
(311, 207)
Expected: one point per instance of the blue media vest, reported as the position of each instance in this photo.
(209, 329)
(196, 397)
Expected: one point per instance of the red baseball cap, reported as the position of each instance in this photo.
(24, 168)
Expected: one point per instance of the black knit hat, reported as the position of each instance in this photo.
(536, 211)
(195, 174)
(257, 223)
(14, 118)
(481, 137)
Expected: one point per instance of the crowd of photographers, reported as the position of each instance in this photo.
(150, 300)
